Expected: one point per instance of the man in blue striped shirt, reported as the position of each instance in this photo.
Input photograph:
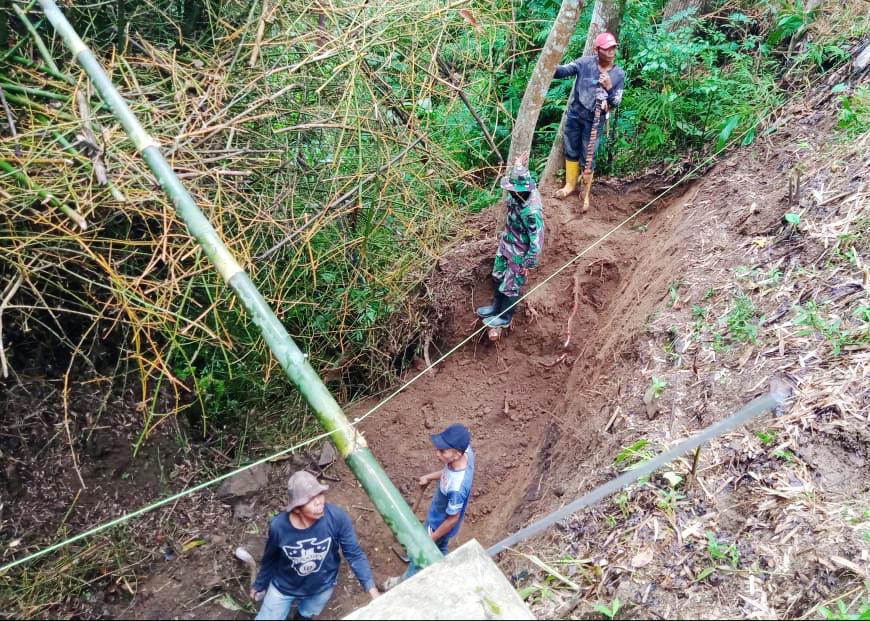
(453, 449)
(598, 82)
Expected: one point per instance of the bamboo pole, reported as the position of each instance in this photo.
(349, 442)
(40, 45)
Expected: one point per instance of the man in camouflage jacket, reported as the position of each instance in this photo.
(519, 248)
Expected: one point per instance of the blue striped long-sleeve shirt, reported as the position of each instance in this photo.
(586, 85)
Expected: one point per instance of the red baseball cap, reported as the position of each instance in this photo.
(605, 41)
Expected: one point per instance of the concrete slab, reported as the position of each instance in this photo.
(465, 585)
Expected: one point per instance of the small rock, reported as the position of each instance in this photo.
(328, 454)
(642, 559)
(244, 484)
(559, 491)
(214, 583)
(781, 387)
(243, 511)
(861, 62)
(651, 402)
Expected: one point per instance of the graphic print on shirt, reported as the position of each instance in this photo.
(307, 555)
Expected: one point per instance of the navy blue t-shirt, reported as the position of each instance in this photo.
(304, 562)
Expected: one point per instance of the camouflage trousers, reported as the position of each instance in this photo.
(509, 275)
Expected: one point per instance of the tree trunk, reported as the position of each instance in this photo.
(606, 17)
(677, 6)
(539, 83)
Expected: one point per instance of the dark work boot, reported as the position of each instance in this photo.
(493, 309)
(505, 319)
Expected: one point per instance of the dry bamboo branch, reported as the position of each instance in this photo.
(7, 295)
(9, 118)
(261, 28)
(445, 71)
(90, 140)
(338, 202)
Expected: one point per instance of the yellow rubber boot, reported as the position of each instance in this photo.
(572, 169)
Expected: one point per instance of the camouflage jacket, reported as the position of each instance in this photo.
(523, 237)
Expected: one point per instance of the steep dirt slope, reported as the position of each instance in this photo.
(726, 299)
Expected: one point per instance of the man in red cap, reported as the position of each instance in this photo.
(598, 82)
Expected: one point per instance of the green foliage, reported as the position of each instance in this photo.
(814, 321)
(743, 319)
(719, 551)
(610, 611)
(667, 499)
(658, 386)
(855, 112)
(621, 500)
(785, 455)
(633, 454)
(766, 437)
(843, 612)
(691, 89)
(672, 478)
(793, 18)
(822, 56)
(793, 219)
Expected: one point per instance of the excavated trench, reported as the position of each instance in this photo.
(531, 403)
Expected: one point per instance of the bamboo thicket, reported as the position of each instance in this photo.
(313, 137)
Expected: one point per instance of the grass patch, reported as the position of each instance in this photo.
(743, 320)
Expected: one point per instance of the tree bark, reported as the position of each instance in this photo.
(606, 17)
(121, 26)
(539, 83)
(676, 6)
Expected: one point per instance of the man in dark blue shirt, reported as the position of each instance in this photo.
(301, 559)
(598, 83)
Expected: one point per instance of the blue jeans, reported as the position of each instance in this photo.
(578, 131)
(276, 605)
(413, 569)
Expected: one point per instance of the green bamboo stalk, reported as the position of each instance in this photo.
(18, 45)
(28, 90)
(40, 45)
(60, 75)
(44, 194)
(349, 442)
